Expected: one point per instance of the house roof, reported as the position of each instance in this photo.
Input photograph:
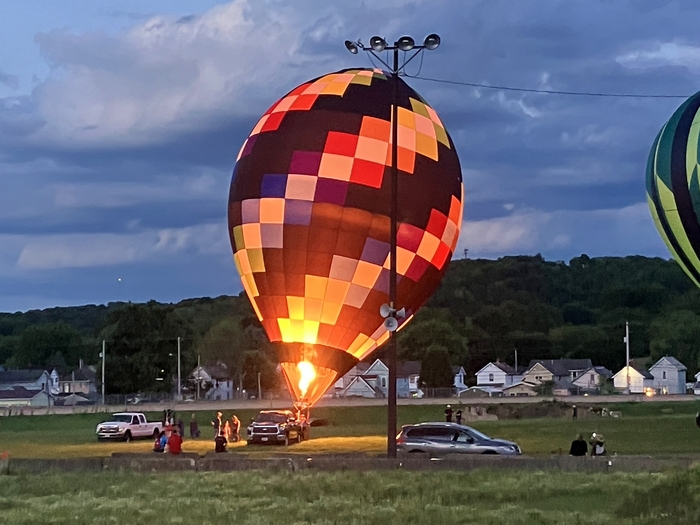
(219, 371)
(361, 381)
(456, 369)
(675, 363)
(21, 376)
(600, 370)
(407, 368)
(504, 367)
(641, 371)
(562, 367)
(18, 392)
(81, 374)
(519, 383)
(563, 384)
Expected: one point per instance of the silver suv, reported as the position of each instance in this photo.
(438, 439)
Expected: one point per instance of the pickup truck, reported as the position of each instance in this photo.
(277, 427)
(126, 426)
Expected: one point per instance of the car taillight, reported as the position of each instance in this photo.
(400, 440)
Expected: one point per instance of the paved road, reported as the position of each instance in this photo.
(259, 404)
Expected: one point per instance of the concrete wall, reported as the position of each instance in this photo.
(235, 462)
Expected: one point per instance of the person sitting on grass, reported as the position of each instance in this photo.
(597, 445)
(159, 444)
(578, 447)
(175, 442)
(220, 443)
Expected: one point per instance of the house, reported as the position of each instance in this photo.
(79, 381)
(360, 387)
(215, 380)
(21, 396)
(541, 371)
(592, 379)
(459, 374)
(669, 376)
(362, 377)
(563, 387)
(640, 381)
(497, 375)
(31, 379)
(481, 391)
(520, 389)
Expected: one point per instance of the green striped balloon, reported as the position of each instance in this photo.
(673, 191)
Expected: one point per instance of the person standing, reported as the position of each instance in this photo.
(216, 423)
(574, 413)
(194, 427)
(220, 443)
(235, 428)
(181, 427)
(578, 447)
(175, 442)
(458, 416)
(448, 414)
(227, 431)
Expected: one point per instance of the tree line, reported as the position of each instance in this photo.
(483, 311)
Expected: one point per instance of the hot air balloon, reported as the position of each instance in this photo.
(308, 217)
(673, 191)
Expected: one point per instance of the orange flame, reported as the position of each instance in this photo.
(307, 375)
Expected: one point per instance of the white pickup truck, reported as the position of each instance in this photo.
(126, 426)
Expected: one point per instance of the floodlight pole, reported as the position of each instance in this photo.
(179, 377)
(378, 44)
(393, 350)
(104, 356)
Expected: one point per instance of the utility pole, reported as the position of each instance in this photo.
(104, 355)
(259, 387)
(627, 355)
(199, 374)
(179, 377)
(516, 360)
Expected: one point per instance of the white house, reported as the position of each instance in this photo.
(639, 380)
(669, 376)
(21, 396)
(497, 375)
(460, 374)
(592, 379)
(360, 387)
(35, 379)
(376, 377)
(696, 385)
(215, 380)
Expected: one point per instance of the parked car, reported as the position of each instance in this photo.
(126, 426)
(277, 427)
(438, 439)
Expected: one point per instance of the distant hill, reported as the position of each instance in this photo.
(483, 311)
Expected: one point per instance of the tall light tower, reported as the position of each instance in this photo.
(378, 44)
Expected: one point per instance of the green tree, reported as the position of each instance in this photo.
(436, 370)
(677, 334)
(38, 344)
(417, 337)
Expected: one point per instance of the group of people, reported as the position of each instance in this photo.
(579, 447)
(225, 431)
(449, 413)
(169, 440)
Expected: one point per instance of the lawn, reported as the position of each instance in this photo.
(360, 498)
(644, 428)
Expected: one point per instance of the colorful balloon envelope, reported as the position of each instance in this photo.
(673, 191)
(309, 219)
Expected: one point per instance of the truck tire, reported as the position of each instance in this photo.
(127, 436)
(156, 433)
(286, 440)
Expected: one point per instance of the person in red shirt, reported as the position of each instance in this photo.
(175, 442)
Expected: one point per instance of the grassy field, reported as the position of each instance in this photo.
(644, 428)
(360, 498)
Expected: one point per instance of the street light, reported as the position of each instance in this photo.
(179, 370)
(377, 45)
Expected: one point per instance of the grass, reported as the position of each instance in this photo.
(644, 428)
(360, 498)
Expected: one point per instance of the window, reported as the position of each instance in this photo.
(463, 437)
(592, 378)
(490, 378)
(538, 378)
(383, 382)
(134, 420)
(664, 375)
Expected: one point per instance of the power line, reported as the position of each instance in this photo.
(543, 91)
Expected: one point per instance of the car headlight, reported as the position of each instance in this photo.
(121, 429)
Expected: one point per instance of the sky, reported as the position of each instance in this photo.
(120, 122)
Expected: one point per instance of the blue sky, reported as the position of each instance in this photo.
(120, 123)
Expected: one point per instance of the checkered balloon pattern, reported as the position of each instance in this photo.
(309, 211)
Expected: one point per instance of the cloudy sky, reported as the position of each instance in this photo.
(120, 122)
